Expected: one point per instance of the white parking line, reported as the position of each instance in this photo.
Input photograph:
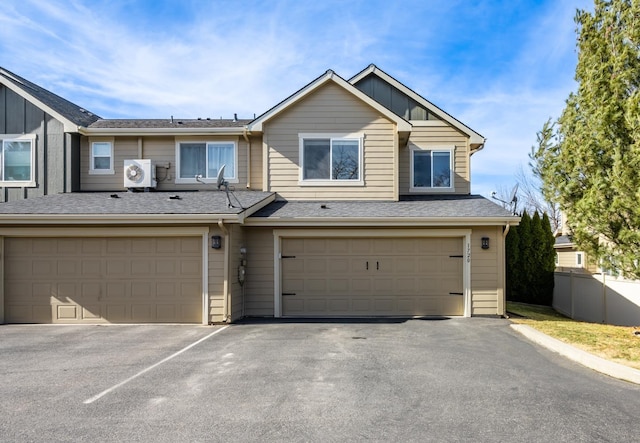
(133, 377)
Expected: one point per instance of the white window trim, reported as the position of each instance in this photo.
(180, 180)
(111, 170)
(452, 153)
(329, 182)
(580, 259)
(21, 137)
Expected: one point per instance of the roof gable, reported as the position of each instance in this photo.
(70, 114)
(477, 140)
(329, 76)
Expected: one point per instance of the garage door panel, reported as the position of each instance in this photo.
(107, 280)
(372, 276)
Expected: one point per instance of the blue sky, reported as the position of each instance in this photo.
(501, 67)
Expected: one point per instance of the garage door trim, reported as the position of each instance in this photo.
(279, 234)
(202, 232)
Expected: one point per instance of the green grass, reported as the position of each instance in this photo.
(615, 343)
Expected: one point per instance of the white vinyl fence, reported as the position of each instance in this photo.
(597, 298)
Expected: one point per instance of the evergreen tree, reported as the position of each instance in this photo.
(512, 254)
(525, 265)
(589, 160)
(536, 292)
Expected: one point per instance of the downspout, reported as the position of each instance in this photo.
(246, 138)
(506, 230)
(225, 287)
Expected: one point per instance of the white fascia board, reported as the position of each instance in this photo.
(475, 138)
(68, 125)
(256, 125)
(97, 132)
(383, 222)
(116, 219)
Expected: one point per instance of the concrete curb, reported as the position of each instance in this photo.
(591, 361)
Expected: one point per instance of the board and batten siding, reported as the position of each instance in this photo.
(331, 110)
(56, 152)
(162, 150)
(487, 272)
(437, 135)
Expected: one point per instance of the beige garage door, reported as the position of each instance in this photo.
(372, 277)
(103, 280)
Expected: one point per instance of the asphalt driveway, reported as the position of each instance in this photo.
(417, 380)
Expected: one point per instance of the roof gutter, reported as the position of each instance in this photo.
(380, 221)
(159, 131)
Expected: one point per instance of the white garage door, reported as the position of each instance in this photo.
(324, 277)
(103, 280)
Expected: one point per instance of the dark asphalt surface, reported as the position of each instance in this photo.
(462, 379)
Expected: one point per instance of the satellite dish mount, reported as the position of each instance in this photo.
(513, 199)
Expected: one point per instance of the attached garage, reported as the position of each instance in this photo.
(355, 276)
(103, 280)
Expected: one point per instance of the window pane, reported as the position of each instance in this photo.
(221, 154)
(421, 169)
(102, 163)
(102, 149)
(193, 160)
(316, 159)
(17, 161)
(441, 169)
(345, 157)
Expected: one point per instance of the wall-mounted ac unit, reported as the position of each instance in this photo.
(139, 173)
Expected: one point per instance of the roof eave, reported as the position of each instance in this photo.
(474, 136)
(383, 221)
(257, 125)
(116, 219)
(96, 132)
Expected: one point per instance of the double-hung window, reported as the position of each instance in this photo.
(432, 169)
(101, 161)
(330, 159)
(17, 160)
(195, 158)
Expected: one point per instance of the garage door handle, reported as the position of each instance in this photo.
(288, 293)
(456, 293)
(456, 256)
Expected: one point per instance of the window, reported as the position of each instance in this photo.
(431, 169)
(580, 259)
(205, 159)
(326, 158)
(101, 157)
(17, 160)
(557, 259)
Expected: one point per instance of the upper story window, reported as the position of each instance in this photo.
(101, 157)
(432, 169)
(17, 160)
(205, 159)
(330, 159)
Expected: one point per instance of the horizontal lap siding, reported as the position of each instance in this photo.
(487, 272)
(162, 150)
(444, 135)
(331, 110)
(216, 279)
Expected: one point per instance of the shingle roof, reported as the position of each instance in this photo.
(131, 203)
(167, 123)
(454, 206)
(564, 240)
(68, 110)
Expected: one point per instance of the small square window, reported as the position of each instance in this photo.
(330, 158)
(101, 158)
(431, 169)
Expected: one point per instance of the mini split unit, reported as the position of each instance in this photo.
(139, 173)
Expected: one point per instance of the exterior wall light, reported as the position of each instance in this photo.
(216, 242)
(485, 242)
